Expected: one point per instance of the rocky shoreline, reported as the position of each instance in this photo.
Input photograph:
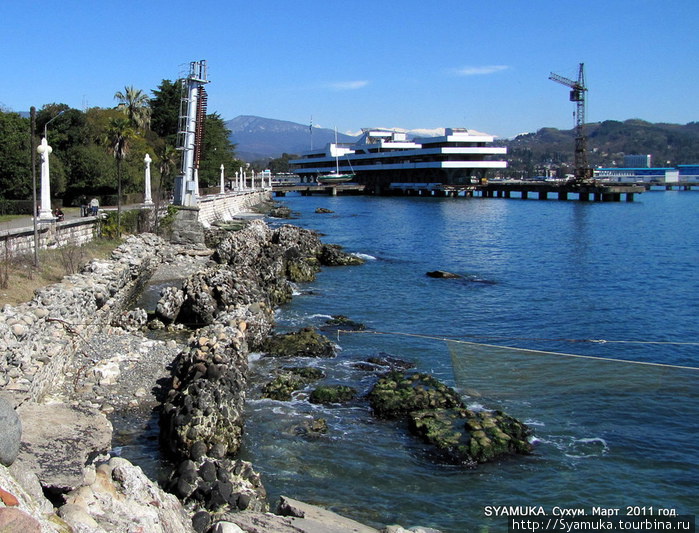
(76, 355)
(79, 355)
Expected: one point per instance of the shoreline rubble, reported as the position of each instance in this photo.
(75, 351)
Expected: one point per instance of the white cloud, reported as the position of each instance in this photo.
(348, 85)
(479, 71)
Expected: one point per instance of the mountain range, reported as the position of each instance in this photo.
(258, 138)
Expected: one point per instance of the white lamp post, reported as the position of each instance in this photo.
(223, 182)
(148, 199)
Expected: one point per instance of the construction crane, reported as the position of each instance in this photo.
(577, 94)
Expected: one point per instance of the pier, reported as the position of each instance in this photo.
(541, 190)
(309, 189)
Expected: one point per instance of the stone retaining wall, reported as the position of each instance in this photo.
(227, 206)
(51, 235)
(39, 338)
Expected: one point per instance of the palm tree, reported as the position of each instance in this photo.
(136, 104)
(169, 158)
(119, 133)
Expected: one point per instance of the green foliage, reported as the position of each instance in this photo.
(165, 109)
(81, 167)
(280, 165)
(15, 157)
(132, 222)
(136, 105)
(217, 150)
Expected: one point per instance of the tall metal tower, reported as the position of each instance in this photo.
(577, 95)
(190, 132)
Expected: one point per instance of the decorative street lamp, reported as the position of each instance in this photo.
(45, 212)
(147, 200)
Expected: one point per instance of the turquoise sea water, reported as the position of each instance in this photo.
(544, 276)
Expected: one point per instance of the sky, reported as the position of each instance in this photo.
(349, 65)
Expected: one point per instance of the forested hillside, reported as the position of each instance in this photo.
(669, 144)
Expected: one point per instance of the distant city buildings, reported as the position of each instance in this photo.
(679, 175)
(637, 161)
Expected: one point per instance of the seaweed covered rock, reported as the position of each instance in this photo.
(306, 342)
(440, 418)
(341, 322)
(291, 380)
(329, 394)
(397, 394)
(383, 362)
(464, 436)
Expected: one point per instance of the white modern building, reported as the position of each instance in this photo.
(381, 157)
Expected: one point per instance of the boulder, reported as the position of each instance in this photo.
(397, 394)
(437, 415)
(329, 394)
(216, 485)
(443, 274)
(341, 322)
(463, 436)
(291, 380)
(59, 440)
(332, 255)
(280, 212)
(169, 304)
(10, 432)
(17, 520)
(122, 498)
(294, 516)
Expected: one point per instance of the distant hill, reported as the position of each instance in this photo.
(260, 138)
(608, 142)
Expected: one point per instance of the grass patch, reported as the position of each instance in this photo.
(19, 278)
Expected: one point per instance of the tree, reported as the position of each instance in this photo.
(15, 157)
(136, 104)
(118, 136)
(281, 164)
(165, 109)
(217, 150)
(169, 159)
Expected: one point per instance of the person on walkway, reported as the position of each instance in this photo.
(94, 206)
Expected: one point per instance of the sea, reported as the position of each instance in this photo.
(578, 318)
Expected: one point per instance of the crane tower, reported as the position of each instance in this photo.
(577, 95)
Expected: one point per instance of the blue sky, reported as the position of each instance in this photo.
(412, 64)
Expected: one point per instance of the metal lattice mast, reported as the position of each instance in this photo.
(577, 95)
(190, 131)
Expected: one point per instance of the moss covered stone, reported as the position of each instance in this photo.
(306, 342)
(343, 322)
(450, 432)
(327, 394)
(296, 378)
(397, 394)
(437, 415)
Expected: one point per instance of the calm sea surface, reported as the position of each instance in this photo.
(545, 277)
